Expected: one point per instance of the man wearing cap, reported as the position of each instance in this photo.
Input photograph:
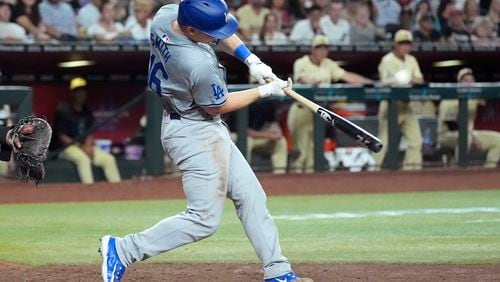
(398, 67)
(72, 120)
(315, 68)
(185, 73)
(482, 140)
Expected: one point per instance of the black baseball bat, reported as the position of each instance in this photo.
(357, 133)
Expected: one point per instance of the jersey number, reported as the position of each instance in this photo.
(153, 81)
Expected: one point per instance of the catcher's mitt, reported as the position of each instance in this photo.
(30, 138)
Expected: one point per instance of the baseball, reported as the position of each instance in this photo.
(402, 77)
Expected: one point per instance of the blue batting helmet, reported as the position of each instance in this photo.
(211, 17)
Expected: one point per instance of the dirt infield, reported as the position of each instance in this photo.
(252, 272)
(324, 183)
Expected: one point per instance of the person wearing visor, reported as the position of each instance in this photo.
(184, 71)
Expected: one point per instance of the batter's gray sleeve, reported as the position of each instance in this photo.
(207, 87)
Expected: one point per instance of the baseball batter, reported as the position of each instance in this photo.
(185, 72)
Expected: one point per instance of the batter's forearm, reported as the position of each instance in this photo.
(236, 101)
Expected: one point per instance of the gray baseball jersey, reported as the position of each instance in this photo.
(186, 74)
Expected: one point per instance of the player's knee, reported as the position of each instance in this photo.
(208, 223)
(82, 161)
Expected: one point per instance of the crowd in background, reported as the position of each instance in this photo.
(271, 22)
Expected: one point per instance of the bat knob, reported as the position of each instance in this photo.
(377, 147)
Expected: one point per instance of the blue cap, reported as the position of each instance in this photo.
(211, 17)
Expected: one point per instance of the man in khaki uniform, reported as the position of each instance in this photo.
(397, 68)
(251, 18)
(72, 120)
(315, 68)
(483, 140)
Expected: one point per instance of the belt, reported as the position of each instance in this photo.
(174, 116)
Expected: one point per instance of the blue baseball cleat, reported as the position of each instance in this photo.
(112, 268)
(288, 277)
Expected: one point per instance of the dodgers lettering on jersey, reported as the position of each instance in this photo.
(185, 73)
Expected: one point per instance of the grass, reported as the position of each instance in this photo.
(39, 234)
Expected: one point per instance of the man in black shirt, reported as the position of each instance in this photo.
(73, 120)
(426, 31)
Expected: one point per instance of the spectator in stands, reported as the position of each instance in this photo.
(286, 20)
(334, 26)
(27, 15)
(304, 30)
(60, 19)
(422, 8)
(399, 63)
(362, 30)
(443, 13)
(405, 22)
(90, 14)
(107, 30)
(10, 32)
(72, 120)
(426, 31)
(388, 12)
(494, 16)
(315, 68)
(471, 12)
(456, 31)
(251, 18)
(140, 23)
(481, 140)
(269, 34)
(121, 9)
(482, 32)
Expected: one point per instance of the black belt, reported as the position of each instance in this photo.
(175, 116)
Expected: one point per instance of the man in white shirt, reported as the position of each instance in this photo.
(334, 26)
(388, 13)
(304, 30)
(89, 14)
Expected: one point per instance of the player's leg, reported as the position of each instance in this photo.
(83, 163)
(279, 155)
(410, 129)
(489, 141)
(383, 135)
(250, 201)
(201, 151)
(108, 164)
(300, 120)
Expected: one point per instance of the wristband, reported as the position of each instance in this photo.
(241, 52)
